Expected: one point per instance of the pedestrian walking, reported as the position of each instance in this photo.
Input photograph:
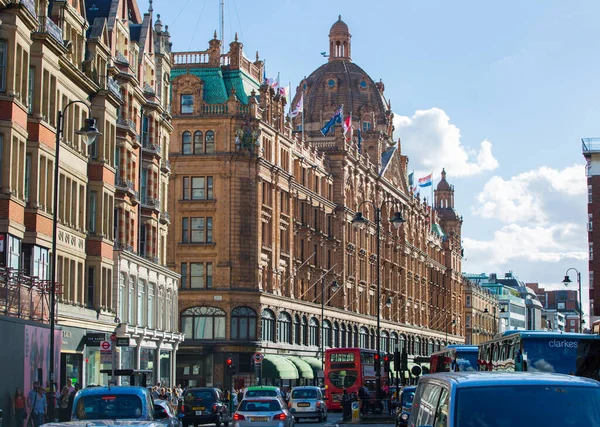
(63, 405)
(19, 404)
(37, 404)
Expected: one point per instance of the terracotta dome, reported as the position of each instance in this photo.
(339, 27)
(340, 82)
(443, 184)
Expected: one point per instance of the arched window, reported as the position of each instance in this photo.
(186, 143)
(417, 346)
(402, 343)
(438, 347)
(313, 336)
(373, 339)
(284, 328)
(304, 331)
(267, 322)
(210, 142)
(344, 335)
(336, 335)
(198, 143)
(363, 340)
(243, 323)
(203, 323)
(355, 336)
(430, 347)
(327, 333)
(297, 330)
(393, 341)
(385, 342)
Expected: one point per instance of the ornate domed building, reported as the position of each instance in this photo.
(263, 216)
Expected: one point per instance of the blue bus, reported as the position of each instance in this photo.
(454, 358)
(541, 351)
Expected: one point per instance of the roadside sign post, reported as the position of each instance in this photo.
(258, 358)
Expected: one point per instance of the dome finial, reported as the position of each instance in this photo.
(339, 17)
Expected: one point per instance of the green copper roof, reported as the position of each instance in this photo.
(218, 83)
(438, 230)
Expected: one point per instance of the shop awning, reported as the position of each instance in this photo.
(304, 369)
(314, 363)
(274, 366)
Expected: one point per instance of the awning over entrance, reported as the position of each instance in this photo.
(274, 366)
(304, 369)
(314, 363)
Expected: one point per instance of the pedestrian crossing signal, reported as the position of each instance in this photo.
(230, 366)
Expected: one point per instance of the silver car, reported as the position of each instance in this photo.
(166, 414)
(308, 402)
(263, 412)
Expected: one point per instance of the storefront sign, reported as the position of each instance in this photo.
(73, 338)
(122, 342)
(237, 349)
(106, 357)
(93, 339)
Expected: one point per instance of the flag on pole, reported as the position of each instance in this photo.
(411, 179)
(299, 107)
(426, 181)
(337, 118)
(359, 140)
(348, 126)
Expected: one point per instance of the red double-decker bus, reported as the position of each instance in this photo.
(348, 368)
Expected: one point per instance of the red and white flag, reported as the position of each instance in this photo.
(299, 107)
(348, 126)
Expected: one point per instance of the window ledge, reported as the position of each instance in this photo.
(197, 244)
(199, 200)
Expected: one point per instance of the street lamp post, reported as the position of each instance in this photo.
(334, 287)
(494, 314)
(566, 282)
(89, 133)
(360, 221)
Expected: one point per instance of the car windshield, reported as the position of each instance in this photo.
(259, 406)
(259, 393)
(343, 378)
(571, 406)
(199, 395)
(407, 398)
(304, 394)
(115, 406)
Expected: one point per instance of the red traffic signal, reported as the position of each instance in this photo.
(376, 357)
(229, 362)
(386, 358)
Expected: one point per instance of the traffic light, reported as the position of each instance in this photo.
(377, 362)
(386, 363)
(397, 364)
(230, 366)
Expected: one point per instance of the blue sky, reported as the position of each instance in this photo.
(499, 94)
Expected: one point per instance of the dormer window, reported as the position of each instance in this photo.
(363, 84)
(187, 104)
(366, 126)
(304, 86)
(331, 83)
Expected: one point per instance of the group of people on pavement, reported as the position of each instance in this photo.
(32, 410)
(376, 402)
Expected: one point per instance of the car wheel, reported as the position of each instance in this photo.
(325, 419)
(296, 419)
(320, 418)
(219, 422)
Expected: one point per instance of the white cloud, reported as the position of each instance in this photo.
(539, 196)
(430, 131)
(511, 243)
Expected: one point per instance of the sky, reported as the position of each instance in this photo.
(497, 93)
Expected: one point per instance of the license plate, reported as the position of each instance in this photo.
(259, 419)
(198, 412)
(303, 404)
(198, 408)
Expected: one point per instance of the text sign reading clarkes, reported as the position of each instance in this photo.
(563, 344)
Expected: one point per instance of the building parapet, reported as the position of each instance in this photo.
(590, 145)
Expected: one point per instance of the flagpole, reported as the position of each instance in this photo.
(431, 218)
(302, 95)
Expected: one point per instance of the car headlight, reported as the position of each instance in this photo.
(404, 416)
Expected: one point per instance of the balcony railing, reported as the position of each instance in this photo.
(126, 185)
(166, 165)
(150, 202)
(590, 145)
(148, 89)
(165, 217)
(48, 26)
(113, 86)
(128, 123)
(121, 58)
(30, 6)
(120, 246)
(148, 146)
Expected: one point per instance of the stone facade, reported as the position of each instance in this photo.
(62, 60)
(482, 311)
(263, 221)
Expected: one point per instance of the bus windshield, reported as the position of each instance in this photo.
(343, 378)
(466, 361)
(566, 356)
